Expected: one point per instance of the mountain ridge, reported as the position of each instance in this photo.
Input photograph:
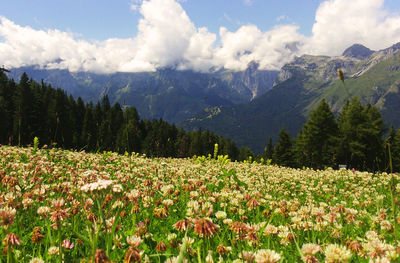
(299, 88)
(169, 94)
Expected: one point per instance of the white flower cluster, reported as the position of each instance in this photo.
(97, 186)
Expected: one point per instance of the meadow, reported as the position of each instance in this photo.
(67, 206)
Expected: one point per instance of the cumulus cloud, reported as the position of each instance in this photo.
(167, 37)
(341, 23)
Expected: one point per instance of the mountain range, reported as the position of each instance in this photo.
(373, 76)
(167, 93)
(247, 106)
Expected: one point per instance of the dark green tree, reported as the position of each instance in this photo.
(283, 151)
(361, 130)
(393, 142)
(269, 149)
(316, 142)
(22, 106)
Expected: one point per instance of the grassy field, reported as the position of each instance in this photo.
(65, 206)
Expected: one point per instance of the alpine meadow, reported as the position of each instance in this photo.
(179, 131)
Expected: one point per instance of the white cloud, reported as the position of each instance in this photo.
(135, 5)
(341, 23)
(167, 37)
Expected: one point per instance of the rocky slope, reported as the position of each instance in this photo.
(299, 88)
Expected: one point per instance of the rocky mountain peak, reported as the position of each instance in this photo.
(357, 51)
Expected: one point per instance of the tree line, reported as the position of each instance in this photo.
(355, 138)
(30, 109)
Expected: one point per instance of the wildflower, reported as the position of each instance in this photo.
(100, 256)
(133, 254)
(267, 256)
(354, 246)
(97, 186)
(220, 215)
(117, 188)
(7, 216)
(209, 258)
(252, 203)
(386, 225)
(171, 236)
(309, 251)
(240, 228)
(221, 249)
(36, 260)
(67, 244)
(252, 236)
(133, 240)
(182, 225)
(27, 202)
(337, 254)
(36, 235)
(117, 240)
(53, 251)
(371, 235)
(57, 212)
(43, 211)
(168, 202)
(160, 212)
(204, 227)
(228, 221)
(141, 229)
(270, 230)
(248, 256)
(161, 246)
(11, 239)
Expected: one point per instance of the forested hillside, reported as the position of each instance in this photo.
(29, 109)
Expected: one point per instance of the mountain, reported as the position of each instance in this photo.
(358, 51)
(167, 93)
(299, 88)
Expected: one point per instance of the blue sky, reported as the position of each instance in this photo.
(102, 19)
(136, 35)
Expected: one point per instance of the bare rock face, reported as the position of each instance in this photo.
(358, 51)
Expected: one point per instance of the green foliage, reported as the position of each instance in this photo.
(35, 144)
(269, 149)
(30, 109)
(393, 141)
(361, 130)
(283, 151)
(316, 142)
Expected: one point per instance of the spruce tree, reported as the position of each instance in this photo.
(22, 105)
(361, 129)
(283, 151)
(316, 143)
(393, 144)
(269, 149)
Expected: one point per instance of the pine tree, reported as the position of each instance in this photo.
(22, 105)
(316, 143)
(361, 129)
(6, 108)
(395, 151)
(393, 144)
(283, 151)
(269, 149)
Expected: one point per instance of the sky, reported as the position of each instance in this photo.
(106, 36)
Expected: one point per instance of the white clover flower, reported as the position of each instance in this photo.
(220, 215)
(36, 260)
(53, 251)
(267, 256)
(335, 253)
